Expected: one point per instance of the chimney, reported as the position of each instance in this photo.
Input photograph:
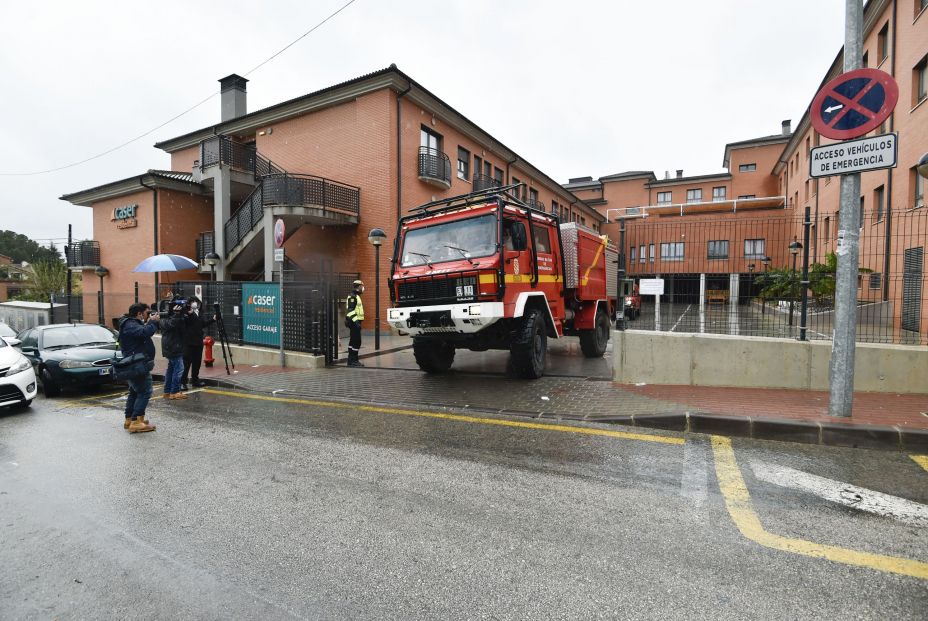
(679, 173)
(233, 97)
(666, 174)
(787, 127)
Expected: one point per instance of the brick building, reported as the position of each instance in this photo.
(332, 164)
(716, 232)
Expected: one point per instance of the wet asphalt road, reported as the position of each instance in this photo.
(257, 509)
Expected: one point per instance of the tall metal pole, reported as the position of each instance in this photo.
(620, 312)
(791, 299)
(68, 253)
(377, 298)
(804, 283)
(841, 369)
(280, 322)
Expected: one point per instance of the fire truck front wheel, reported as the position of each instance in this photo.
(593, 342)
(433, 356)
(530, 347)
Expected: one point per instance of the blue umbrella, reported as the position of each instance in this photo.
(166, 263)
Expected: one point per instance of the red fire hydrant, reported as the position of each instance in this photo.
(208, 345)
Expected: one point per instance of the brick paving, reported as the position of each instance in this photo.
(564, 397)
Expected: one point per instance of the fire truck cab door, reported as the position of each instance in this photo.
(516, 252)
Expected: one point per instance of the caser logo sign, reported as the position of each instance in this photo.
(262, 300)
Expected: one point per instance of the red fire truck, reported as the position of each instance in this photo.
(487, 271)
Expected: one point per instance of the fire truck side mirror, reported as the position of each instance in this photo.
(628, 287)
(519, 238)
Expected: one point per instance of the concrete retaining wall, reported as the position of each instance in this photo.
(758, 362)
(263, 356)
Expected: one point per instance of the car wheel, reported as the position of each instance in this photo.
(49, 387)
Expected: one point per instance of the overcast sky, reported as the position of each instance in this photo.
(576, 87)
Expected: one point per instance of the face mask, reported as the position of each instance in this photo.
(194, 306)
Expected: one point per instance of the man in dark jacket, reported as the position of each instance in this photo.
(135, 334)
(172, 348)
(193, 335)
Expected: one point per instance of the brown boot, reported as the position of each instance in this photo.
(167, 395)
(140, 425)
(126, 424)
(178, 395)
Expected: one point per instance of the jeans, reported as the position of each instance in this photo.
(139, 394)
(172, 375)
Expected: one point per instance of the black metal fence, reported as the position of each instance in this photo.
(83, 254)
(745, 276)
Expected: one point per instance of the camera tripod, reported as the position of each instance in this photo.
(223, 339)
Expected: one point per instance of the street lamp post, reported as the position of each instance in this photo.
(101, 272)
(212, 259)
(376, 237)
(794, 249)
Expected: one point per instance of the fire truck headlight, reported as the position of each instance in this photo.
(395, 315)
(474, 310)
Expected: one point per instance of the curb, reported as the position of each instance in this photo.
(778, 429)
(782, 430)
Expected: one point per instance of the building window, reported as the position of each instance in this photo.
(664, 198)
(429, 139)
(652, 257)
(718, 249)
(808, 146)
(919, 184)
(694, 196)
(745, 196)
(555, 208)
(582, 220)
(533, 197)
(718, 193)
(515, 181)
(747, 167)
(807, 190)
(865, 61)
(920, 82)
(642, 255)
(672, 251)
(478, 164)
(861, 223)
(878, 198)
(882, 44)
(498, 175)
(754, 249)
(633, 254)
(463, 163)
(827, 228)
(876, 279)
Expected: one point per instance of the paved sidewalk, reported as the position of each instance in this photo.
(879, 420)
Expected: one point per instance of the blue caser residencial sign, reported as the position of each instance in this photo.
(261, 313)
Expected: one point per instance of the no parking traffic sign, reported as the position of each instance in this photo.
(854, 103)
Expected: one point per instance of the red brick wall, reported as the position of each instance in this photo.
(181, 219)
(183, 160)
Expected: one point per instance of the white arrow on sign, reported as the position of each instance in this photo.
(831, 109)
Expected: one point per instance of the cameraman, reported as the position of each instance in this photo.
(193, 336)
(172, 347)
(135, 334)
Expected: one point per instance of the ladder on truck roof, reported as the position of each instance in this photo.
(463, 200)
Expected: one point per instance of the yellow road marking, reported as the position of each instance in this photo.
(459, 418)
(82, 400)
(741, 510)
(921, 460)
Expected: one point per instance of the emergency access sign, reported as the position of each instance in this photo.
(854, 156)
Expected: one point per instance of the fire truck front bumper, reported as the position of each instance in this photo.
(445, 318)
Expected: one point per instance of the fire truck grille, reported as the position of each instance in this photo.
(438, 290)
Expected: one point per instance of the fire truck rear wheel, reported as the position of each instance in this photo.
(433, 356)
(593, 342)
(530, 347)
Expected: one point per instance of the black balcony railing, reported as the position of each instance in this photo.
(224, 150)
(205, 245)
(332, 197)
(536, 204)
(484, 182)
(83, 254)
(434, 166)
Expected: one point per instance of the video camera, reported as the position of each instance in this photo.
(166, 307)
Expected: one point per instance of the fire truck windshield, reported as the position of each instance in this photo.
(450, 241)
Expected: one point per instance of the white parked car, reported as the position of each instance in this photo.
(8, 334)
(17, 378)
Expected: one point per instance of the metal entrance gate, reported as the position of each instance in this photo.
(309, 314)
